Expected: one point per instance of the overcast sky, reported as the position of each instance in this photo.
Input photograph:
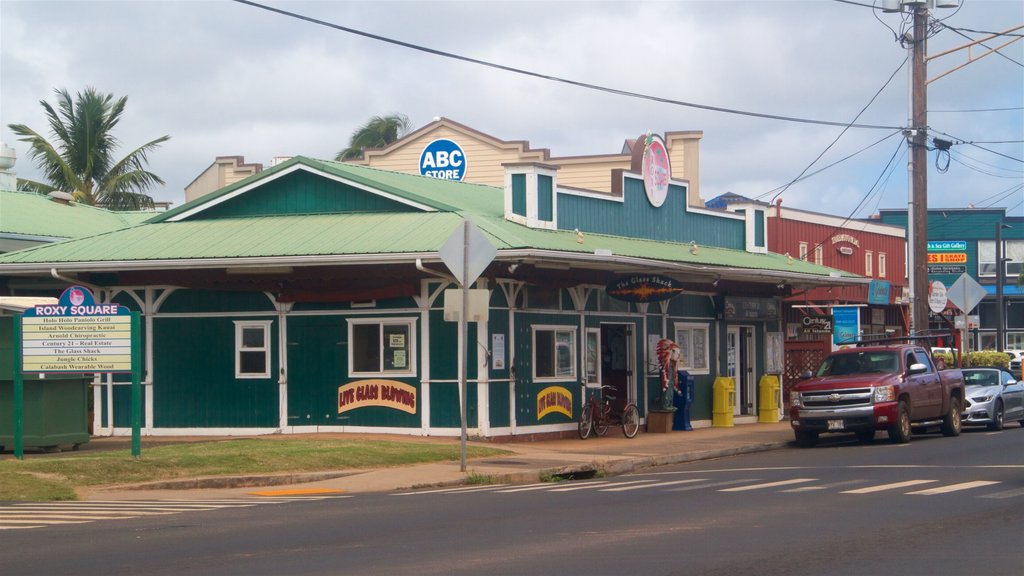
(224, 78)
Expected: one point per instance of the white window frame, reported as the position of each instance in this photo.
(683, 336)
(803, 251)
(881, 264)
(869, 259)
(411, 351)
(818, 255)
(240, 327)
(572, 331)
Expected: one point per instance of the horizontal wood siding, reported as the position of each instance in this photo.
(635, 217)
(301, 193)
(190, 301)
(194, 377)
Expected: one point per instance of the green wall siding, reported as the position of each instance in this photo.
(188, 301)
(545, 206)
(519, 194)
(301, 193)
(759, 228)
(194, 377)
(636, 217)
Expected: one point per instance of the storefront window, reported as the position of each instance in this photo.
(554, 352)
(379, 347)
(693, 346)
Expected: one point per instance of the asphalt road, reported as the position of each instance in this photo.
(932, 507)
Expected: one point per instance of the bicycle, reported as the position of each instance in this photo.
(598, 415)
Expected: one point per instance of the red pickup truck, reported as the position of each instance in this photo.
(864, 389)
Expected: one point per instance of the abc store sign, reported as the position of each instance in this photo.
(443, 159)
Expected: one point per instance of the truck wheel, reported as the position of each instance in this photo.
(899, 433)
(951, 421)
(997, 418)
(806, 439)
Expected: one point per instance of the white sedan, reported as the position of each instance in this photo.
(993, 397)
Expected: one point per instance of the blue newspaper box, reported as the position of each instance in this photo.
(683, 401)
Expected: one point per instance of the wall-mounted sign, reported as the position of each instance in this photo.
(947, 245)
(644, 288)
(947, 269)
(444, 159)
(77, 335)
(751, 309)
(657, 170)
(937, 297)
(554, 399)
(846, 238)
(387, 393)
(947, 258)
(845, 250)
(878, 292)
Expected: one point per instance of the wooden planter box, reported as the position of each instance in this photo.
(660, 421)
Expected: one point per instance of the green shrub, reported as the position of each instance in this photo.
(987, 359)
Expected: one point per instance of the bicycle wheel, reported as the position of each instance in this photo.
(586, 421)
(630, 421)
(601, 422)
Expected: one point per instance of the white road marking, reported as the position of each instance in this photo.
(893, 486)
(769, 485)
(656, 485)
(954, 488)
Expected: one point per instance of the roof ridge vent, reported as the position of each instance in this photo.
(60, 197)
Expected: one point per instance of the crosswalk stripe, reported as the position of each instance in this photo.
(882, 487)
(768, 485)
(712, 485)
(954, 488)
(596, 485)
(656, 485)
(1005, 494)
(528, 488)
(450, 490)
(823, 486)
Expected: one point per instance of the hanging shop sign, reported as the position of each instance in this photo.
(815, 324)
(386, 393)
(878, 292)
(443, 159)
(657, 170)
(938, 269)
(644, 288)
(751, 309)
(947, 258)
(77, 335)
(554, 399)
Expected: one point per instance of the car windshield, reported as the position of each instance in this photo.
(860, 363)
(981, 377)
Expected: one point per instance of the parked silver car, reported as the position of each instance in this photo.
(993, 397)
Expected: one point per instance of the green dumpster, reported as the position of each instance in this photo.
(55, 408)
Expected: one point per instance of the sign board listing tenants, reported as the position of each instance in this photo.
(76, 335)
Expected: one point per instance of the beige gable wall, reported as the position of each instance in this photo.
(485, 156)
(224, 171)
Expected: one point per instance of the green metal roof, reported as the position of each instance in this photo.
(164, 242)
(33, 215)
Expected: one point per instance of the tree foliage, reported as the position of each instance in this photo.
(378, 132)
(80, 157)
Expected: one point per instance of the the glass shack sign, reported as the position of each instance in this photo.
(644, 288)
(76, 335)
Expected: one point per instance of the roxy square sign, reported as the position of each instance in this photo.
(76, 335)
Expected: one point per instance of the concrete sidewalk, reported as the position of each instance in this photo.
(526, 462)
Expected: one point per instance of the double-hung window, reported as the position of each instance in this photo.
(252, 349)
(693, 346)
(382, 347)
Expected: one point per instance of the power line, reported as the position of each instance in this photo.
(1011, 109)
(576, 83)
(959, 141)
(997, 52)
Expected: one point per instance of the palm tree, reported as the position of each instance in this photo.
(81, 158)
(378, 132)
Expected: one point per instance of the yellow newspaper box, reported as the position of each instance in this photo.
(723, 401)
(768, 399)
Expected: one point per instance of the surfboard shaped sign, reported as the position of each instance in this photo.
(644, 288)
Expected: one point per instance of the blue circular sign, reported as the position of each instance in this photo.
(443, 159)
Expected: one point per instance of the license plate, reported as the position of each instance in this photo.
(835, 425)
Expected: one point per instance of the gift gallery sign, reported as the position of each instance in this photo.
(76, 335)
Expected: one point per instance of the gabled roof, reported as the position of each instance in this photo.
(31, 215)
(183, 239)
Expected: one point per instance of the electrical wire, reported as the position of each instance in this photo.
(559, 79)
(1011, 109)
(969, 143)
(997, 52)
(827, 148)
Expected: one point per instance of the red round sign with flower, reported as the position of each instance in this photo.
(656, 169)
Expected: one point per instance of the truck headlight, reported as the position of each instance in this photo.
(794, 399)
(885, 393)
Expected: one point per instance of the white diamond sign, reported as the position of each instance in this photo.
(965, 293)
(467, 252)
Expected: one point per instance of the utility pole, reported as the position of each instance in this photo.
(917, 139)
